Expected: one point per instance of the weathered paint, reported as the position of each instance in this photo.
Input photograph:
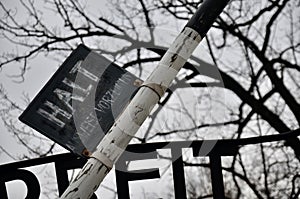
(118, 137)
(115, 142)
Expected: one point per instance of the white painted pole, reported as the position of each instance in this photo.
(120, 134)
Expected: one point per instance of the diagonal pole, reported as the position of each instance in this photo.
(116, 140)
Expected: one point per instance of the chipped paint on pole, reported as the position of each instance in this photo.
(116, 140)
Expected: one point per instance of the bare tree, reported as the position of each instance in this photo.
(254, 47)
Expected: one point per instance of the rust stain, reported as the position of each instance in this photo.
(86, 153)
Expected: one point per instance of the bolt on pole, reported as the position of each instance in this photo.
(118, 137)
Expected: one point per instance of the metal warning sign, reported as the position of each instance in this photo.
(81, 101)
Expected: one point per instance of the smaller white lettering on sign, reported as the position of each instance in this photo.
(89, 124)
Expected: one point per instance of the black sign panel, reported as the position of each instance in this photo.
(81, 101)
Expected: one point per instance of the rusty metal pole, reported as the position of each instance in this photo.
(118, 137)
